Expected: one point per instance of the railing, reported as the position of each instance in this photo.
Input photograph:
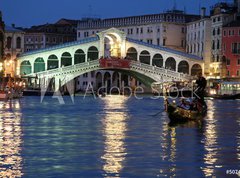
(133, 64)
(190, 56)
(87, 40)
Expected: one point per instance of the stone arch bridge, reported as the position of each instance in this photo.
(146, 62)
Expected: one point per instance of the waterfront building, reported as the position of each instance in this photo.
(231, 48)
(1, 43)
(221, 14)
(198, 39)
(44, 36)
(14, 46)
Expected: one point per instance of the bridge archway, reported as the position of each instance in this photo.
(157, 60)
(52, 62)
(107, 80)
(92, 53)
(116, 79)
(25, 68)
(39, 65)
(99, 80)
(170, 64)
(196, 68)
(66, 59)
(183, 67)
(145, 57)
(132, 54)
(79, 56)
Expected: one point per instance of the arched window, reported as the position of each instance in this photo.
(92, 53)
(132, 54)
(39, 65)
(183, 67)
(196, 68)
(66, 59)
(52, 62)
(145, 57)
(9, 42)
(79, 56)
(170, 64)
(157, 60)
(25, 68)
(18, 42)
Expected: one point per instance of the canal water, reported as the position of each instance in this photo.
(115, 137)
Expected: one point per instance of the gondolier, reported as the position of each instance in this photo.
(201, 85)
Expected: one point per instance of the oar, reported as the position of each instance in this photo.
(158, 113)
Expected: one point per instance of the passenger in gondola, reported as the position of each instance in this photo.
(184, 104)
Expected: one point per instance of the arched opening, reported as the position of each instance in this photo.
(112, 46)
(66, 59)
(183, 67)
(170, 64)
(145, 57)
(79, 56)
(92, 53)
(39, 65)
(9, 42)
(18, 42)
(25, 68)
(132, 54)
(99, 80)
(116, 79)
(52, 62)
(107, 80)
(196, 68)
(157, 60)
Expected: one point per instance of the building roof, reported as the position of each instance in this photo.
(12, 29)
(233, 24)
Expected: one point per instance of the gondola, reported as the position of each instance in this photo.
(181, 115)
(225, 96)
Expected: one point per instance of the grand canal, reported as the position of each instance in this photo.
(115, 137)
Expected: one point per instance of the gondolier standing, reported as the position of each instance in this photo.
(201, 85)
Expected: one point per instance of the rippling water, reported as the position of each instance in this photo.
(115, 137)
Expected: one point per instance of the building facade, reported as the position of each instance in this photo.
(44, 36)
(231, 49)
(221, 14)
(14, 46)
(198, 39)
(1, 43)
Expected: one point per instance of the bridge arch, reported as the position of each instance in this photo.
(183, 67)
(39, 65)
(93, 53)
(170, 64)
(115, 79)
(196, 68)
(145, 57)
(79, 56)
(132, 54)
(25, 68)
(52, 62)
(66, 59)
(157, 60)
(99, 79)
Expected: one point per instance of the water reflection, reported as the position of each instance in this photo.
(210, 142)
(10, 139)
(114, 128)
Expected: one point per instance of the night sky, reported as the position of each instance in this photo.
(26, 13)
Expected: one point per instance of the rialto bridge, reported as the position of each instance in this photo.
(146, 62)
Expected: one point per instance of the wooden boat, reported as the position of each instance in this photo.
(178, 114)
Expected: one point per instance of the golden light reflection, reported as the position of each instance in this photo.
(210, 158)
(168, 150)
(10, 140)
(115, 127)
